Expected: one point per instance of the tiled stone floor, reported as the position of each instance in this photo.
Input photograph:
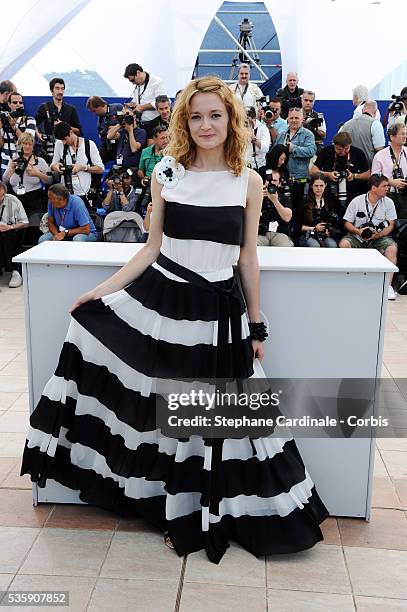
(110, 564)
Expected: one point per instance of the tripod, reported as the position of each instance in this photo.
(247, 42)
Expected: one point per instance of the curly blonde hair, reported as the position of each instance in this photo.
(183, 148)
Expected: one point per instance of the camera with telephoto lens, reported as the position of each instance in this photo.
(66, 170)
(21, 165)
(313, 121)
(397, 106)
(264, 105)
(146, 194)
(339, 188)
(369, 229)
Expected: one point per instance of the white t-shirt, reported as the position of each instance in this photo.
(384, 210)
(248, 95)
(262, 134)
(147, 95)
(359, 110)
(81, 181)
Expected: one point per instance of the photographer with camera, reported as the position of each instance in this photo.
(290, 95)
(130, 140)
(108, 115)
(318, 220)
(121, 195)
(392, 162)
(27, 173)
(259, 141)
(146, 89)
(13, 220)
(75, 160)
(276, 213)
(365, 131)
(345, 167)
(301, 146)
(163, 106)
(246, 92)
(397, 110)
(313, 121)
(369, 221)
(50, 114)
(12, 124)
(68, 217)
(150, 156)
(272, 119)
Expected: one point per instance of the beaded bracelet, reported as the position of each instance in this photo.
(258, 331)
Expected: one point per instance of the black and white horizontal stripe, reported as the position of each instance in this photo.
(222, 224)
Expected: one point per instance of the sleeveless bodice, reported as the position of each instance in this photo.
(204, 221)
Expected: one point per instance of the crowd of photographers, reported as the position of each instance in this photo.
(345, 194)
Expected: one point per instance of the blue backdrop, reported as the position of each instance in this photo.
(335, 111)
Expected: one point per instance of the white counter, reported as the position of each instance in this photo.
(326, 309)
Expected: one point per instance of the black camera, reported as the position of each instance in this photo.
(251, 112)
(313, 121)
(21, 165)
(271, 188)
(341, 175)
(397, 106)
(127, 120)
(66, 170)
(369, 229)
(19, 112)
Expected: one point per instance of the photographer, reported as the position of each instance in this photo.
(259, 142)
(369, 221)
(272, 119)
(345, 167)
(130, 140)
(108, 115)
(12, 124)
(13, 220)
(276, 213)
(397, 111)
(150, 156)
(365, 131)
(75, 159)
(68, 217)
(50, 114)
(301, 145)
(147, 88)
(26, 174)
(318, 220)
(392, 162)
(277, 159)
(6, 88)
(121, 195)
(246, 92)
(163, 106)
(290, 94)
(313, 121)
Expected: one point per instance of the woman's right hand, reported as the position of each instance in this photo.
(320, 227)
(86, 297)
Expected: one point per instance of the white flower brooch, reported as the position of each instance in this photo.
(168, 171)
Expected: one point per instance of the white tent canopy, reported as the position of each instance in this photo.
(332, 45)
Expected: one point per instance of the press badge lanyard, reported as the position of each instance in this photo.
(289, 138)
(140, 93)
(237, 88)
(397, 163)
(370, 216)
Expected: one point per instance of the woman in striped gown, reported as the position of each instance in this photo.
(174, 312)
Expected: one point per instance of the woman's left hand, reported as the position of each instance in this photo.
(258, 349)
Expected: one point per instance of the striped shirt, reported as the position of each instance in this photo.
(25, 124)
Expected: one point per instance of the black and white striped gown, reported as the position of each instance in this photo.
(94, 427)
